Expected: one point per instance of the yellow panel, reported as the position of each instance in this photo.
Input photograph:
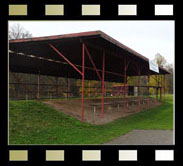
(91, 155)
(54, 9)
(127, 9)
(127, 155)
(15, 10)
(18, 155)
(90, 9)
(55, 155)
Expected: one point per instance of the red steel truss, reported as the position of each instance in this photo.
(102, 79)
(103, 83)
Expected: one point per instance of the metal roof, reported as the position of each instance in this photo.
(32, 55)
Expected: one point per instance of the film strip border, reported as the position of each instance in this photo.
(113, 156)
(89, 9)
(57, 156)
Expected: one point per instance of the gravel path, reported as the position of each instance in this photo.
(145, 137)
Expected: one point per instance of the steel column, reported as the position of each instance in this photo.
(148, 79)
(156, 94)
(139, 81)
(164, 86)
(38, 86)
(89, 88)
(103, 83)
(83, 79)
(161, 88)
(68, 87)
(56, 86)
(124, 89)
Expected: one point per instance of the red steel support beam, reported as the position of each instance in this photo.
(139, 98)
(157, 88)
(125, 82)
(89, 90)
(68, 87)
(59, 53)
(103, 83)
(56, 79)
(148, 80)
(125, 68)
(161, 87)
(38, 86)
(164, 86)
(93, 63)
(83, 80)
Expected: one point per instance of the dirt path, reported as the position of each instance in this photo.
(145, 137)
(111, 112)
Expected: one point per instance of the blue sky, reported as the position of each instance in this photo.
(145, 37)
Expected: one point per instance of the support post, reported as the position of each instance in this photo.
(103, 83)
(56, 86)
(164, 86)
(124, 89)
(38, 86)
(139, 98)
(148, 80)
(89, 90)
(161, 83)
(68, 87)
(83, 79)
(156, 88)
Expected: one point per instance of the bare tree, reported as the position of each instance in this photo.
(16, 31)
(160, 60)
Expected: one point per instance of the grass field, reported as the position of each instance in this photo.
(32, 122)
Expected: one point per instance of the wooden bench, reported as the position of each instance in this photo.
(95, 105)
(118, 103)
(150, 100)
(142, 101)
(134, 101)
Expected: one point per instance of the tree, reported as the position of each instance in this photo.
(16, 31)
(160, 60)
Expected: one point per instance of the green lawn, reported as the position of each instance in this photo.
(32, 122)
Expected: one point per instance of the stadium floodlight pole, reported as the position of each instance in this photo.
(83, 80)
(103, 83)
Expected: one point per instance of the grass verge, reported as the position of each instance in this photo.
(32, 122)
